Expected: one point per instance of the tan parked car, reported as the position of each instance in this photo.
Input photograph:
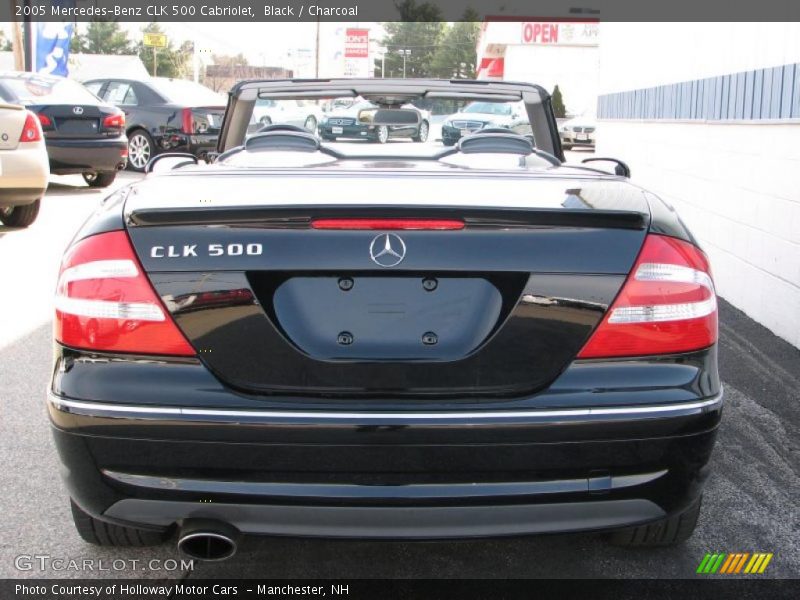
(24, 167)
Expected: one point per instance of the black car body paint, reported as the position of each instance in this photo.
(275, 427)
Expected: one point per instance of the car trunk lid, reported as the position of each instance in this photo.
(75, 121)
(498, 307)
(203, 120)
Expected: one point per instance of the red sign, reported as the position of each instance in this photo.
(560, 33)
(540, 33)
(356, 43)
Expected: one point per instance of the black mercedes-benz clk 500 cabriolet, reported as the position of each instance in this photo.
(496, 343)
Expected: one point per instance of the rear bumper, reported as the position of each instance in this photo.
(81, 156)
(23, 175)
(378, 474)
(572, 139)
(398, 522)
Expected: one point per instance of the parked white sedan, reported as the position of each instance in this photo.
(301, 113)
(578, 131)
(24, 166)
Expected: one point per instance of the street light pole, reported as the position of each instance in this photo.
(404, 52)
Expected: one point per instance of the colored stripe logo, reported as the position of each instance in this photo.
(734, 563)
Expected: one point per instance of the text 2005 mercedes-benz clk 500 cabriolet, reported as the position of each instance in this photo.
(298, 340)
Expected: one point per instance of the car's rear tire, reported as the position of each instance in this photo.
(422, 132)
(100, 533)
(102, 179)
(666, 532)
(566, 146)
(448, 142)
(20, 216)
(140, 149)
(311, 123)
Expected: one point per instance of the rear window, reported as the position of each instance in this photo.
(187, 93)
(33, 89)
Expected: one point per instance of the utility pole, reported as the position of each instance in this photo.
(316, 61)
(16, 38)
(26, 21)
(404, 52)
(195, 61)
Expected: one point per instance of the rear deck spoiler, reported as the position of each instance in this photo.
(293, 217)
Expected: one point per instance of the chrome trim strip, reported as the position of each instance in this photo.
(155, 412)
(405, 491)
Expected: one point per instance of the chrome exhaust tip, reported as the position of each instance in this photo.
(208, 540)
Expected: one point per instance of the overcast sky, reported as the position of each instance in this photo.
(261, 43)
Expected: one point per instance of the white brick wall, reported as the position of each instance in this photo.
(737, 186)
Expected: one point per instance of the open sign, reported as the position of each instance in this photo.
(540, 33)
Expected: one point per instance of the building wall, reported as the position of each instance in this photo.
(569, 60)
(573, 68)
(708, 116)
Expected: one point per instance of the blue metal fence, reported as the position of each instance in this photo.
(762, 94)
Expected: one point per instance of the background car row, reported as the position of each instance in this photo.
(106, 124)
(82, 134)
(164, 115)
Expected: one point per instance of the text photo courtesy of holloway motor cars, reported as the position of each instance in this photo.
(399, 299)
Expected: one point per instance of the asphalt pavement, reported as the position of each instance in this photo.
(750, 505)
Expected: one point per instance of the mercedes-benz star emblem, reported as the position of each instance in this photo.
(387, 250)
(78, 110)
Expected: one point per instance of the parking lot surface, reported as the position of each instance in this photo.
(751, 501)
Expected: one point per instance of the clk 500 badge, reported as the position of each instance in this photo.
(213, 250)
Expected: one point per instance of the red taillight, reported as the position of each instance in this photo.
(667, 305)
(45, 121)
(31, 130)
(104, 301)
(187, 121)
(387, 224)
(115, 121)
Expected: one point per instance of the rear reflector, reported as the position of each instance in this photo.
(390, 224)
(667, 305)
(104, 302)
(31, 130)
(187, 121)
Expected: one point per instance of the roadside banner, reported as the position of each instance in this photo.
(51, 44)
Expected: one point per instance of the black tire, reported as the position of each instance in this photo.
(100, 180)
(422, 132)
(327, 138)
(101, 533)
(566, 146)
(448, 142)
(666, 532)
(20, 216)
(381, 135)
(140, 149)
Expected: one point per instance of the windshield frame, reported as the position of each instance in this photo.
(392, 92)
